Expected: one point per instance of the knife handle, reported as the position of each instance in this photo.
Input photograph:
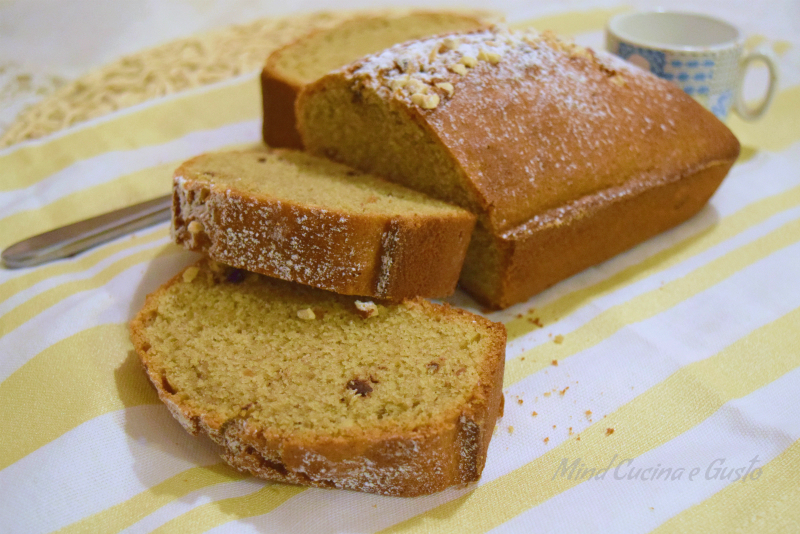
(77, 237)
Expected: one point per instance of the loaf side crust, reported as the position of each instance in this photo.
(534, 256)
(450, 450)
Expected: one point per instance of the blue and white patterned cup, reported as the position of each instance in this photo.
(704, 55)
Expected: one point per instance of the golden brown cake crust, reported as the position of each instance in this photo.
(528, 126)
(351, 251)
(588, 232)
(448, 450)
(279, 89)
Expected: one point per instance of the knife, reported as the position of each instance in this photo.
(77, 237)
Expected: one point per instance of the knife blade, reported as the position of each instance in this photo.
(80, 236)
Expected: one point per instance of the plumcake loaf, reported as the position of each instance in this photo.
(305, 386)
(567, 156)
(291, 67)
(301, 218)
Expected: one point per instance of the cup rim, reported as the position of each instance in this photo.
(738, 40)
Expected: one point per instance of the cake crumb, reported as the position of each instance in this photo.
(559, 339)
(546, 440)
(609, 431)
(190, 274)
(563, 391)
(534, 414)
(546, 393)
(307, 314)
(519, 401)
(510, 429)
(554, 363)
(367, 309)
(570, 431)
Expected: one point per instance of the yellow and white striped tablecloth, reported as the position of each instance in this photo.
(674, 367)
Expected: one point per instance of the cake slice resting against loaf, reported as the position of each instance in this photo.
(291, 67)
(309, 387)
(566, 155)
(306, 219)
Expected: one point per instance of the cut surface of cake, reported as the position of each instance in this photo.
(309, 387)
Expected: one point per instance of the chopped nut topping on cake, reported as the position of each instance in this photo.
(425, 101)
(307, 314)
(458, 68)
(618, 79)
(491, 57)
(468, 61)
(447, 87)
(412, 70)
(450, 43)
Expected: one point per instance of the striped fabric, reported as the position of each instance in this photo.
(655, 392)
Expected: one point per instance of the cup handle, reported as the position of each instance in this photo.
(760, 54)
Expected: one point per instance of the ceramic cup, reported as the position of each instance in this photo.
(703, 55)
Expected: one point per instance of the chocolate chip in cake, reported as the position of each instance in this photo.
(360, 387)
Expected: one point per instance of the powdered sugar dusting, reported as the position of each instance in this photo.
(437, 65)
(533, 121)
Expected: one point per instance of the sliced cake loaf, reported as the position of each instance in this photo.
(306, 219)
(567, 156)
(309, 387)
(289, 68)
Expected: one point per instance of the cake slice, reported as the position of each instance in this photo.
(567, 156)
(306, 219)
(309, 387)
(289, 68)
